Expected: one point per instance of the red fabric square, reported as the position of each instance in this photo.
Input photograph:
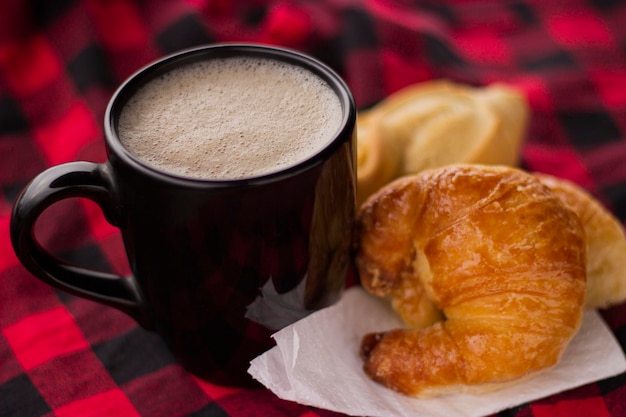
(260, 403)
(119, 24)
(21, 159)
(61, 227)
(5, 207)
(81, 369)
(215, 391)
(29, 65)
(400, 72)
(97, 322)
(22, 294)
(95, 150)
(615, 401)
(586, 407)
(111, 403)
(177, 393)
(113, 248)
(10, 366)
(62, 139)
(414, 21)
(560, 162)
(611, 85)
(167, 13)
(14, 20)
(483, 47)
(73, 23)
(615, 317)
(99, 227)
(536, 91)
(607, 163)
(43, 336)
(365, 88)
(579, 28)
(286, 24)
(7, 257)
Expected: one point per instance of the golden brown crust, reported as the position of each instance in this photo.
(606, 243)
(494, 251)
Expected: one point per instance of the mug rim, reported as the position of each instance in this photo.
(198, 53)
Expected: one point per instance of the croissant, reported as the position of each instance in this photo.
(376, 159)
(487, 267)
(606, 243)
(436, 123)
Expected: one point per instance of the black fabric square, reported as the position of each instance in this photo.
(442, 11)
(357, 30)
(45, 11)
(19, 397)
(611, 384)
(589, 128)
(88, 256)
(90, 68)
(524, 13)
(210, 410)
(356, 33)
(133, 354)
(608, 385)
(606, 5)
(11, 117)
(12, 191)
(440, 54)
(21, 160)
(517, 411)
(331, 54)
(65, 298)
(255, 14)
(616, 193)
(555, 60)
(184, 33)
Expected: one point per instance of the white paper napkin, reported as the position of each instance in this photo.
(316, 362)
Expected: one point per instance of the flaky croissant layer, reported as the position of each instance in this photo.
(485, 264)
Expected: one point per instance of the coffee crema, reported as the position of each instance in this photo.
(230, 118)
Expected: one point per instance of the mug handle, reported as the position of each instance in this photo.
(74, 179)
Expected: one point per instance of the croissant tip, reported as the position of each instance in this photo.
(369, 343)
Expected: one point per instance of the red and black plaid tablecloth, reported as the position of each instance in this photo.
(61, 60)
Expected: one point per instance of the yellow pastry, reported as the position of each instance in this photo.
(606, 244)
(437, 123)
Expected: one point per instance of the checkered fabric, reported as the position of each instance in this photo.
(61, 60)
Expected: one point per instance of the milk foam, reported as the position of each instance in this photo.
(230, 118)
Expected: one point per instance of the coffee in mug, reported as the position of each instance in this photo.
(230, 173)
(231, 118)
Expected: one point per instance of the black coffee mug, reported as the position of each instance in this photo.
(217, 266)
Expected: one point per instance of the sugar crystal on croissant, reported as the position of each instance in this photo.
(485, 264)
